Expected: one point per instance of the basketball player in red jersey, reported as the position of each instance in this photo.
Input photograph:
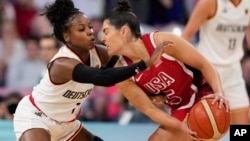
(51, 112)
(177, 77)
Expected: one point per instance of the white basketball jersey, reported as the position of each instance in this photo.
(221, 38)
(62, 102)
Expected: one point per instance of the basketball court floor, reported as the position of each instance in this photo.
(108, 131)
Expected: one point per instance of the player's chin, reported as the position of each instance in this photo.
(92, 45)
(110, 51)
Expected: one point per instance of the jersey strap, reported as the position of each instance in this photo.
(147, 43)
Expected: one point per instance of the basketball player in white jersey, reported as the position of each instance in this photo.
(222, 26)
(50, 112)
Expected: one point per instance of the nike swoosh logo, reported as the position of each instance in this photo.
(139, 77)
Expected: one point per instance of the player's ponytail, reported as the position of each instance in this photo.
(59, 14)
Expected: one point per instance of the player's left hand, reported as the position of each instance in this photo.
(219, 98)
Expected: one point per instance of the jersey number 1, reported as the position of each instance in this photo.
(232, 43)
(73, 110)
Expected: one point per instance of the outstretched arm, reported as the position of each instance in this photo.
(64, 69)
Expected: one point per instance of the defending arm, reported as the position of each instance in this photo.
(106, 77)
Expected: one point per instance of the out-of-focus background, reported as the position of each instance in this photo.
(23, 59)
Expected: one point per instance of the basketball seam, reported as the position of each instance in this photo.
(198, 125)
(200, 128)
(212, 120)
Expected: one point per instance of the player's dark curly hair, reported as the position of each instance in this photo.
(60, 14)
(123, 15)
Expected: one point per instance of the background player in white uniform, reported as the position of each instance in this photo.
(223, 25)
(50, 113)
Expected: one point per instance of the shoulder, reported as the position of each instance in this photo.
(160, 37)
(207, 3)
(208, 7)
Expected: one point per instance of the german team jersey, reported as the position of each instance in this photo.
(221, 37)
(62, 102)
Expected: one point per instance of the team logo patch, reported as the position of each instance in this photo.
(246, 11)
(38, 114)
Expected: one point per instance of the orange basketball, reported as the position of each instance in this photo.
(207, 120)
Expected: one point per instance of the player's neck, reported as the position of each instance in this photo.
(136, 51)
(236, 2)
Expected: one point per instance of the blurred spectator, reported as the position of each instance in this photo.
(39, 4)
(139, 7)
(12, 99)
(25, 73)
(189, 5)
(167, 11)
(40, 26)
(95, 108)
(7, 11)
(104, 104)
(96, 22)
(3, 109)
(11, 47)
(8, 105)
(91, 8)
(25, 12)
(116, 103)
(49, 46)
(2, 73)
(139, 117)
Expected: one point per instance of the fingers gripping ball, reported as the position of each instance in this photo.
(207, 120)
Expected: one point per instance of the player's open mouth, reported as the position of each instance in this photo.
(106, 45)
(93, 40)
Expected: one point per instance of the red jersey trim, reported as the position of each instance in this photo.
(75, 134)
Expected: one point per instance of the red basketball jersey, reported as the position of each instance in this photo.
(171, 78)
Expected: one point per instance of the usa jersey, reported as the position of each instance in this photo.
(62, 102)
(169, 77)
(221, 37)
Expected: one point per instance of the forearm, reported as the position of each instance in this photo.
(212, 77)
(141, 102)
(106, 77)
(162, 118)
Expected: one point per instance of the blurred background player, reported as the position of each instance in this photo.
(222, 26)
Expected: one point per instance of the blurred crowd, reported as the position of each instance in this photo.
(26, 47)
